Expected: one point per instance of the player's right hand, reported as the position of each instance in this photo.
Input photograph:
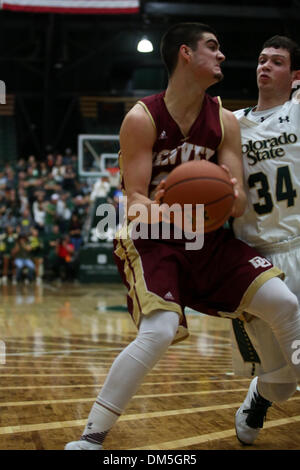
(160, 192)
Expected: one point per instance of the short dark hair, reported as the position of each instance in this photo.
(178, 34)
(283, 42)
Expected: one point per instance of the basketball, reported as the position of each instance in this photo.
(201, 182)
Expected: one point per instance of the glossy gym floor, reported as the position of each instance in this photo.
(58, 342)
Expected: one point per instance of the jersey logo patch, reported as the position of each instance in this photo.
(169, 296)
(284, 119)
(163, 135)
(259, 262)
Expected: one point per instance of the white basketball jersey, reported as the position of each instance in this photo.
(271, 160)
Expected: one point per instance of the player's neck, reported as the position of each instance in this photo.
(183, 110)
(184, 100)
(268, 101)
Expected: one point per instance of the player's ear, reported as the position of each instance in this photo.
(185, 51)
(296, 75)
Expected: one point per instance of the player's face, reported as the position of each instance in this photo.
(207, 58)
(273, 70)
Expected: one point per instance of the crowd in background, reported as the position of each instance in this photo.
(43, 207)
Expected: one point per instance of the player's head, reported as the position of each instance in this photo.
(283, 42)
(185, 37)
(278, 63)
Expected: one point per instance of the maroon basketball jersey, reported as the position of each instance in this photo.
(173, 148)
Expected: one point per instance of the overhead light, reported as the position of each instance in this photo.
(145, 45)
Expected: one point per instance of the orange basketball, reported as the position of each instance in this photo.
(201, 182)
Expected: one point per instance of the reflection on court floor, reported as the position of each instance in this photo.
(58, 342)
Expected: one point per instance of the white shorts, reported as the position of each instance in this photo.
(286, 256)
(255, 338)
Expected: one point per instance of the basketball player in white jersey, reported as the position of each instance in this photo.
(271, 223)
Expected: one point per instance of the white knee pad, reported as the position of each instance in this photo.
(275, 304)
(157, 331)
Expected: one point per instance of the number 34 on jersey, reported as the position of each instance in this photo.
(271, 162)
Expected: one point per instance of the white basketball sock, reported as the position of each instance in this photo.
(156, 333)
(99, 422)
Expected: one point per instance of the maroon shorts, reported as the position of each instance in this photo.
(220, 279)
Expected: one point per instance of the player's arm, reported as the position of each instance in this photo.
(230, 155)
(137, 136)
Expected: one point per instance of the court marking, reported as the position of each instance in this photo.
(135, 397)
(13, 387)
(83, 363)
(83, 351)
(162, 446)
(100, 374)
(106, 366)
(191, 441)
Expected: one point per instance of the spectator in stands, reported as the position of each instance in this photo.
(51, 244)
(8, 219)
(12, 201)
(118, 201)
(23, 258)
(37, 253)
(22, 175)
(2, 204)
(21, 165)
(44, 170)
(84, 189)
(10, 178)
(23, 199)
(31, 161)
(33, 166)
(67, 158)
(50, 161)
(2, 180)
(81, 204)
(8, 242)
(101, 188)
(66, 264)
(58, 170)
(75, 228)
(51, 186)
(51, 217)
(69, 179)
(74, 161)
(39, 212)
(32, 182)
(26, 222)
(64, 209)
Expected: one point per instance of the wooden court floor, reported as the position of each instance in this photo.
(59, 344)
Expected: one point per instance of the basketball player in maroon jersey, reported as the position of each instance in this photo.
(225, 277)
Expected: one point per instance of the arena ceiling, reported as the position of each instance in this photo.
(48, 61)
(97, 54)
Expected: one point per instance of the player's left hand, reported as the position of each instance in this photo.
(239, 203)
(233, 181)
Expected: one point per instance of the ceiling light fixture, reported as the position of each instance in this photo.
(145, 45)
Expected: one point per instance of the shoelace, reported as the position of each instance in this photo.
(257, 411)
